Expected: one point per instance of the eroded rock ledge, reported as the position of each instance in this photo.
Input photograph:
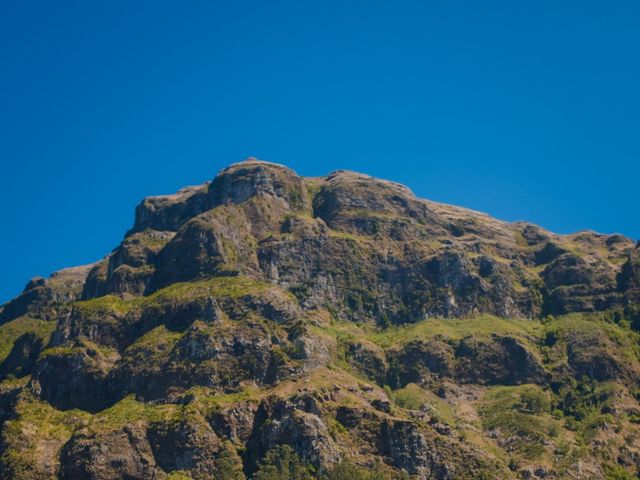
(341, 316)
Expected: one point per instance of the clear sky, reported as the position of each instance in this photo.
(524, 110)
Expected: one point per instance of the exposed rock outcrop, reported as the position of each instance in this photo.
(47, 298)
(114, 455)
(340, 316)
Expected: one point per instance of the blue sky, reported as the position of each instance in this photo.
(524, 110)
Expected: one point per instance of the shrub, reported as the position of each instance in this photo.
(228, 465)
(534, 401)
(616, 472)
(348, 471)
(282, 463)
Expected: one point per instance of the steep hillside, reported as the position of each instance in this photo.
(339, 327)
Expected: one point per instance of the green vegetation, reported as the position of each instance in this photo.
(84, 346)
(37, 425)
(147, 239)
(413, 397)
(616, 472)
(626, 341)
(11, 331)
(272, 362)
(178, 475)
(533, 400)
(228, 464)
(209, 400)
(105, 305)
(586, 405)
(282, 463)
(457, 328)
(130, 410)
(152, 345)
(528, 424)
(521, 412)
(349, 471)
(232, 287)
(632, 314)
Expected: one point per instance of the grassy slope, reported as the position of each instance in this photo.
(520, 425)
(11, 331)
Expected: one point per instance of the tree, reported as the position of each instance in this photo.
(346, 470)
(282, 463)
(228, 465)
(534, 401)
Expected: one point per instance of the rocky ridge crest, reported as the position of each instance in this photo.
(342, 316)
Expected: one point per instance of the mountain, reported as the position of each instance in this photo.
(335, 327)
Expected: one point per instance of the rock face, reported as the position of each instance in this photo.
(74, 377)
(367, 246)
(341, 316)
(120, 454)
(414, 452)
(297, 422)
(47, 298)
(190, 446)
(488, 361)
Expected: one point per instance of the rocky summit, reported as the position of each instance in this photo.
(264, 326)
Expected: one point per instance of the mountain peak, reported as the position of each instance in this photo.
(264, 316)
